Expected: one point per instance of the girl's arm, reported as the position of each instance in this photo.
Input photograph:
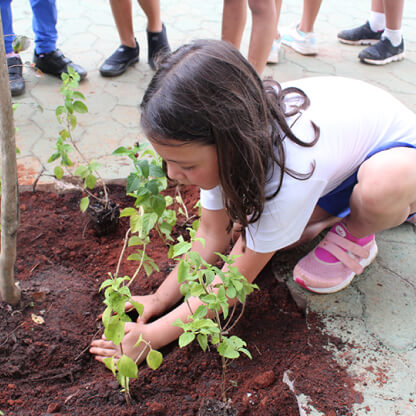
(162, 332)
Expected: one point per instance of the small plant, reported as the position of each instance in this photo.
(103, 211)
(114, 318)
(198, 279)
(149, 212)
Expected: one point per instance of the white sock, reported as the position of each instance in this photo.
(377, 21)
(394, 36)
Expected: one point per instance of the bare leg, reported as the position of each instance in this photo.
(385, 194)
(393, 10)
(151, 9)
(278, 5)
(262, 32)
(233, 21)
(122, 14)
(309, 14)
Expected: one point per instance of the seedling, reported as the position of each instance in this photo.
(114, 319)
(199, 279)
(65, 144)
(149, 212)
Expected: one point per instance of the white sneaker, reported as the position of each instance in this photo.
(301, 42)
(274, 52)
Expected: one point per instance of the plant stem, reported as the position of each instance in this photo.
(140, 266)
(238, 318)
(86, 161)
(122, 252)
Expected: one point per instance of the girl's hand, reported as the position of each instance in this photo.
(102, 348)
(152, 306)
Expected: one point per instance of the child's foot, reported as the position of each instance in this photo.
(301, 42)
(383, 52)
(361, 35)
(335, 261)
(102, 348)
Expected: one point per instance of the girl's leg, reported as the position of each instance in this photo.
(385, 194)
(122, 13)
(262, 32)
(309, 14)
(233, 21)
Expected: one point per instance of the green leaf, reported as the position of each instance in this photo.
(127, 212)
(115, 330)
(80, 107)
(106, 316)
(158, 204)
(90, 181)
(154, 359)
(54, 157)
(133, 183)
(110, 364)
(121, 151)
(79, 95)
(183, 271)
(127, 367)
(200, 312)
(156, 171)
(246, 352)
(59, 172)
(138, 306)
(85, 202)
(81, 171)
(203, 341)
(143, 167)
(186, 338)
(148, 222)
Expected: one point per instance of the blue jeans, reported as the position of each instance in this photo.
(43, 24)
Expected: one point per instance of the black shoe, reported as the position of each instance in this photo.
(383, 52)
(157, 46)
(120, 60)
(15, 69)
(361, 35)
(55, 63)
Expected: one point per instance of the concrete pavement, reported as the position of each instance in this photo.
(375, 316)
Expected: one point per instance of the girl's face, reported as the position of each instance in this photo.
(190, 163)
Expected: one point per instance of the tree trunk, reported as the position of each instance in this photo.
(9, 291)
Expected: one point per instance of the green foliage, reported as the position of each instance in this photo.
(73, 102)
(114, 318)
(217, 289)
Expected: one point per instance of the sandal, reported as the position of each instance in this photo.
(334, 262)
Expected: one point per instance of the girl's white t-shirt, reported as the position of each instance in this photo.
(354, 118)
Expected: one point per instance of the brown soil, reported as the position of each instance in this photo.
(45, 368)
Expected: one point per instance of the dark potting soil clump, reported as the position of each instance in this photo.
(45, 366)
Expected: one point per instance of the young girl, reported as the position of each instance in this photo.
(282, 163)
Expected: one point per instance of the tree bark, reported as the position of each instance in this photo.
(9, 291)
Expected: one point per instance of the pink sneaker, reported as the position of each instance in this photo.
(334, 262)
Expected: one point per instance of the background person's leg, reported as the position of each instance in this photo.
(7, 23)
(262, 32)
(44, 25)
(234, 17)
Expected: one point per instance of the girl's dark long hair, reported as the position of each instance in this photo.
(206, 92)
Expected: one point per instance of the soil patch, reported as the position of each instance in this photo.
(45, 367)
